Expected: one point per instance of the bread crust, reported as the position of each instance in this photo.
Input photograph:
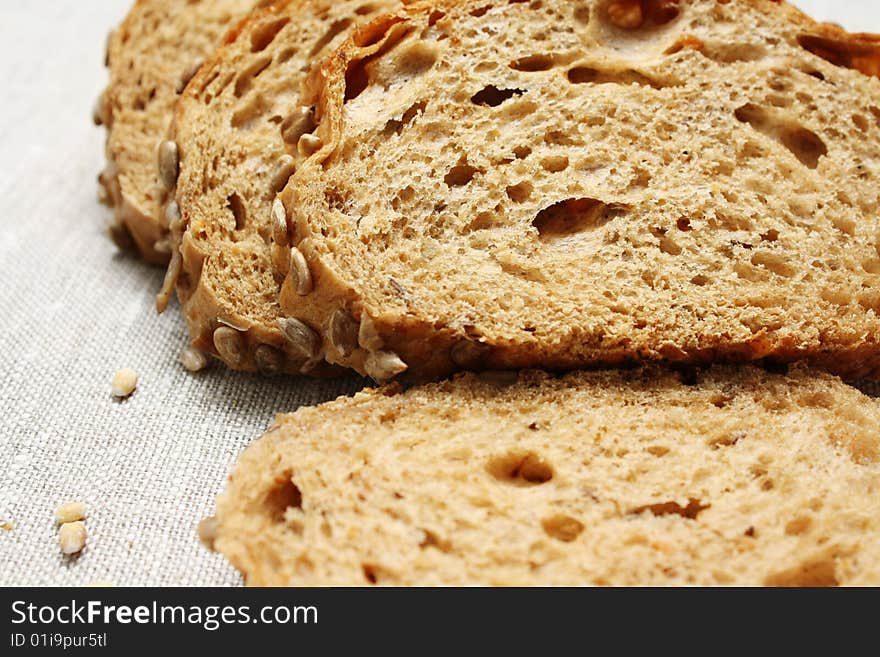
(724, 477)
(234, 127)
(348, 277)
(159, 43)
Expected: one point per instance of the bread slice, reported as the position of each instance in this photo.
(739, 477)
(236, 131)
(151, 56)
(556, 184)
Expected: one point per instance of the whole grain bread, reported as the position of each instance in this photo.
(735, 477)
(151, 57)
(239, 130)
(556, 184)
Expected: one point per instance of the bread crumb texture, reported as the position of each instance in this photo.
(644, 477)
(151, 57)
(554, 183)
(238, 129)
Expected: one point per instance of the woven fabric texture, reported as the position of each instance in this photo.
(73, 312)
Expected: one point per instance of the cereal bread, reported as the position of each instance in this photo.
(558, 184)
(151, 56)
(735, 477)
(238, 131)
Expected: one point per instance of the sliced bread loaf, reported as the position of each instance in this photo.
(556, 184)
(151, 56)
(739, 477)
(239, 131)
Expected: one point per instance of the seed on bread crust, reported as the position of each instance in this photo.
(171, 216)
(299, 269)
(344, 332)
(268, 359)
(279, 217)
(171, 276)
(229, 344)
(303, 339)
(368, 335)
(384, 365)
(283, 171)
(301, 122)
(193, 360)
(309, 145)
(169, 163)
(162, 246)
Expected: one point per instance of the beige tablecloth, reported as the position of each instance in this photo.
(72, 312)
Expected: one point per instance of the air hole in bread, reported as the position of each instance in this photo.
(356, 79)
(521, 192)
(460, 175)
(798, 526)
(860, 122)
(562, 528)
(492, 96)
(283, 495)
(774, 262)
(337, 28)
(636, 14)
(533, 63)
(582, 14)
(370, 573)
(246, 78)
(252, 110)
(520, 469)
(480, 11)
(846, 51)
(727, 439)
(265, 34)
(432, 540)
(554, 163)
(821, 572)
(239, 211)
(691, 511)
(700, 280)
(418, 58)
(803, 143)
(573, 216)
(395, 126)
(522, 152)
(590, 75)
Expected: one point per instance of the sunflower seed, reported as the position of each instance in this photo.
(237, 324)
(299, 270)
(279, 222)
(268, 359)
(368, 334)
(301, 337)
(384, 365)
(70, 512)
(188, 75)
(207, 530)
(344, 332)
(283, 171)
(162, 246)
(193, 360)
(171, 216)
(302, 121)
(169, 164)
(309, 145)
(230, 345)
(171, 276)
(72, 537)
(124, 383)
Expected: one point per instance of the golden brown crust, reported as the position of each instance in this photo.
(148, 64)
(236, 131)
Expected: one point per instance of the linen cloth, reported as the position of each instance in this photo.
(73, 312)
